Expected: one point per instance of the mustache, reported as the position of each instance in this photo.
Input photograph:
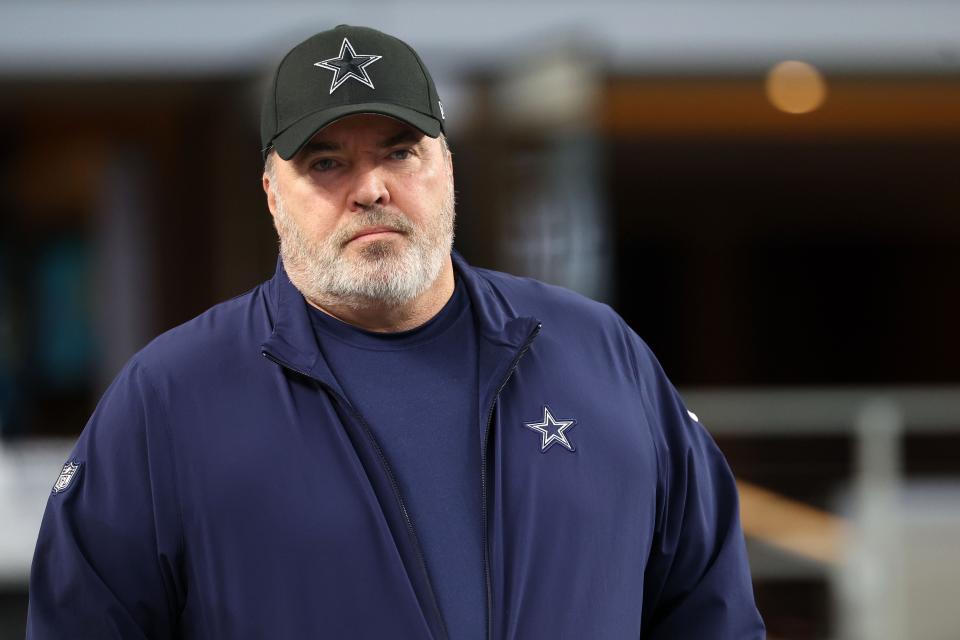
(373, 217)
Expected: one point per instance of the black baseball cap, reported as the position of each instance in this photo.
(341, 72)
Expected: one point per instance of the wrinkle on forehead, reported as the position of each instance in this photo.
(385, 127)
(406, 136)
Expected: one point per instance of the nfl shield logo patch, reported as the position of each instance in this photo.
(66, 476)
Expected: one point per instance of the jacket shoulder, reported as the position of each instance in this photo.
(572, 319)
(211, 340)
(552, 303)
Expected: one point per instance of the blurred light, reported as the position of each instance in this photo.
(554, 90)
(795, 87)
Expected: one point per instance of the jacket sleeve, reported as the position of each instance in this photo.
(697, 582)
(105, 564)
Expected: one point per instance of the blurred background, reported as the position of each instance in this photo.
(768, 192)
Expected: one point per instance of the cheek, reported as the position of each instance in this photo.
(314, 211)
(314, 223)
(422, 196)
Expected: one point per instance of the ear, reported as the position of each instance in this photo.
(449, 162)
(271, 196)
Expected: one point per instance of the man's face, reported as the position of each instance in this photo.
(364, 212)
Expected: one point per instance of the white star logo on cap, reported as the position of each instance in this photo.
(551, 430)
(349, 64)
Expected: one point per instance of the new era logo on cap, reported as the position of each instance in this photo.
(369, 71)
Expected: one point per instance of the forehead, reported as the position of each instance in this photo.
(365, 127)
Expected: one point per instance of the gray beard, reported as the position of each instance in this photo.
(382, 272)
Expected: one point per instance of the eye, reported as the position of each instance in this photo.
(401, 154)
(325, 164)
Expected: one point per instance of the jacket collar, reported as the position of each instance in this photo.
(292, 340)
(496, 318)
(294, 344)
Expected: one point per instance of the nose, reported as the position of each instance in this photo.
(369, 188)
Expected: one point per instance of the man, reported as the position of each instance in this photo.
(382, 441)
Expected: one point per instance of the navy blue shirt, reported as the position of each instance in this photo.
(417, 390)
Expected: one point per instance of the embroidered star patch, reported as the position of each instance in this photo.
(349, 64)
(551, 430)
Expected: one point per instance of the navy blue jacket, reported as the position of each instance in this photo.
(224, 488)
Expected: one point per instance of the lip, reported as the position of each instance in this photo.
(370, 232)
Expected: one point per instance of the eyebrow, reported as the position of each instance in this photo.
(407, 136)
(320, 145)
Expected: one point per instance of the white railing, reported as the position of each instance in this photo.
(893, 558)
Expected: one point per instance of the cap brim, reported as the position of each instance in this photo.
(294, 137)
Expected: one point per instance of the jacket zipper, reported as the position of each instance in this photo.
(483, 477)
(393, 482)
